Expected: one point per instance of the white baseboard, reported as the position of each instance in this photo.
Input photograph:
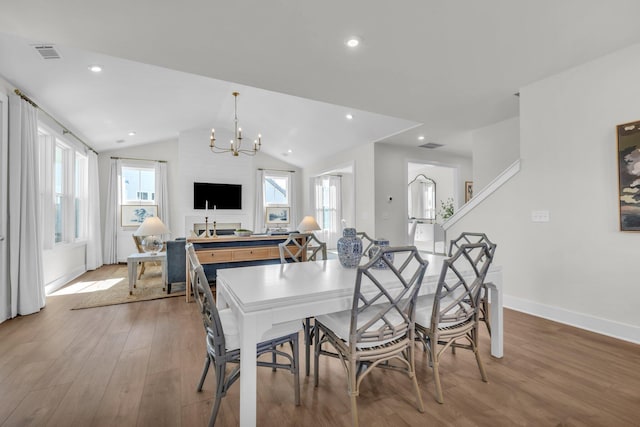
(610, 328)
(61, 281)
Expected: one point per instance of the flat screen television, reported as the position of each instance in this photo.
(222, 196)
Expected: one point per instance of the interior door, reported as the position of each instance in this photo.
(4, 175)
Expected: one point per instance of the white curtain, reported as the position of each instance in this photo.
(293, 202)
(328, 208)
(258, 219)
(94, 239)
(47, 180)
(26, 278)
(111, 220)
(162, 195)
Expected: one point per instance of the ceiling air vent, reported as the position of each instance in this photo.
(47, 51)
(431, 145)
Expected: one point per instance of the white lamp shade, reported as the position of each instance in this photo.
(152, 226)
(308, 224)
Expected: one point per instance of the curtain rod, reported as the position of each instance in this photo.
(275, 170)
(64, 129)
(144, 160)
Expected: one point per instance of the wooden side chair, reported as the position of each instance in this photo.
(378, 330)
(223, 340)
(138, 241)
(466, 238)
(449, 318)
(301, 247)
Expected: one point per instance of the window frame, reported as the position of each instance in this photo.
(73, 225)
(279, 175)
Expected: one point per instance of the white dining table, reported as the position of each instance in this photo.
(262, 296)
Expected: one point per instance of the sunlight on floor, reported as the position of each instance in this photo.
(86, 287)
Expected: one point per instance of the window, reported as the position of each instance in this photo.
(63, 184)
(328, 207)
(138, 184)
(276, 190)
(81, 194)
(59, 184)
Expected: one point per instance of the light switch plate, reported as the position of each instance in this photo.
(539, 216)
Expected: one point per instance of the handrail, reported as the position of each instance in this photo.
(496, 183)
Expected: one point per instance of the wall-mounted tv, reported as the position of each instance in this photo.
(222, 196)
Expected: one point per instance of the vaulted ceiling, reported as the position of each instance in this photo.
(430, 68)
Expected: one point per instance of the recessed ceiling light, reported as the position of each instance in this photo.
(349, 116)
(352, 41)
(289, 150)
(95, 68)
(132, 133)
(421, 137)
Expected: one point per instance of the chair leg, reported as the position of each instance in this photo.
(316, 356)
(220, 378)
(207, 363)
(474, 346)
(296, 369)
(307, 345)
(412, 375)
(435, 360)
(485, 309)
(142, 266)
(353, 391)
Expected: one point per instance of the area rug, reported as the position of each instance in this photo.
(116, 290)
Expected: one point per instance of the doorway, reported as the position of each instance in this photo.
(425, 232)
(333, 199)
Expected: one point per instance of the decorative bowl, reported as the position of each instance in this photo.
(243, 233)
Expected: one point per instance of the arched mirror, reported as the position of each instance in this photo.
(422, 198)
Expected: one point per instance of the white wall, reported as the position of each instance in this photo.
(198, 164)
(391, 180)
(363, 168)
(494, 148)
(578, 268)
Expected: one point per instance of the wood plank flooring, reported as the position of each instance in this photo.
(138, 365)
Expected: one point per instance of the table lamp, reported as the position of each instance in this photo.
(308, 224)
(152, 228)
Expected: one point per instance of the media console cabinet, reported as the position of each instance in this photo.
(233, 251)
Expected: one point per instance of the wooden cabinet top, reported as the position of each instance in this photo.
(233, 238)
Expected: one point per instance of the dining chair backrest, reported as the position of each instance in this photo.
(206, 303)
(384, 298)
(458, 292)
(469, 237)
(367, 242)
(302, 247)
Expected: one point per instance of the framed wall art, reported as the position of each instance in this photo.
(629, 175)
(277, 215)
(468, 190)
(134, 215)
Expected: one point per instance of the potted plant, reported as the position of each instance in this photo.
(446, 209)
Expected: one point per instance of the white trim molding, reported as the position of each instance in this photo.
(58, 283)
(598, 325)
(497, 182)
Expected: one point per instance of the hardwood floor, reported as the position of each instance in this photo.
(138, 364)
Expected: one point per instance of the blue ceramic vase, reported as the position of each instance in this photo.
(349, 248)
(377, 245)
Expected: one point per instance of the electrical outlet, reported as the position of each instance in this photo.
(539, 216)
